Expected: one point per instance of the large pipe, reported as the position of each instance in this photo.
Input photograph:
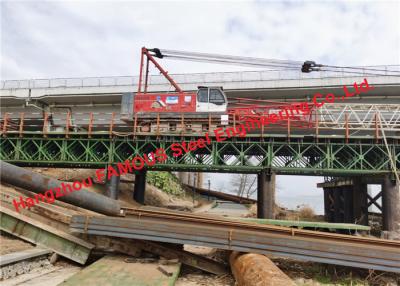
(38, 183)
(256, 269)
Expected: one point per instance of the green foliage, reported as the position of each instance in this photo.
(165, 181)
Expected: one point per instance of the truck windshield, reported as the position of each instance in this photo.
(202, 95)
(216, 96)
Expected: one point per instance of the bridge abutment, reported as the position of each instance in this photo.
(346, 201)
(140, 186)
(265, 195)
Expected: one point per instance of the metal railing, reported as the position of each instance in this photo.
(194, 78)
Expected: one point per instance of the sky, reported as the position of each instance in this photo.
(86, 38)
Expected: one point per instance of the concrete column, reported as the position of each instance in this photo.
(199, 182)
(112, 187)
(391, 207)
(140, 186)
(183, 177)
(265, 195)
(360, 201)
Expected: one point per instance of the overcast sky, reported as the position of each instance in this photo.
(78, 39)
(75, 39)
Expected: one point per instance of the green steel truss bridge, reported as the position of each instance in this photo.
(342, 140)
(297, 154)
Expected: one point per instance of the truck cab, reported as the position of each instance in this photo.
(211, 99)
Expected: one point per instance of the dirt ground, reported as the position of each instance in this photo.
(315, 274)
(153, 196)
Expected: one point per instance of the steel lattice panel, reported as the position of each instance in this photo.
(294, 156)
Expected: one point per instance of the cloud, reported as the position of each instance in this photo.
(74, 39)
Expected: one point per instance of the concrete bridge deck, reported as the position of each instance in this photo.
(251, 84)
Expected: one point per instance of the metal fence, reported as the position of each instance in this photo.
(197, 78)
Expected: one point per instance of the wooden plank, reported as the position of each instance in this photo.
(119, 271)
(38, 233)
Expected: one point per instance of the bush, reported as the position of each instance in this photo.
(306, 212)
(165, 181)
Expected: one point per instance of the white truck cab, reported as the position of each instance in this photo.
(211, 99)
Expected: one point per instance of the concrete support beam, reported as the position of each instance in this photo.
(265, 195)
(112, 187)
(391, 207)
(140, 186)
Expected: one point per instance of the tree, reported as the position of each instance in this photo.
(244, 184)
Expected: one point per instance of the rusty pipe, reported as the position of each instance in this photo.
(256, 269)
(39, 184)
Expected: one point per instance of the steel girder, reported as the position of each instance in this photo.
(323, 156)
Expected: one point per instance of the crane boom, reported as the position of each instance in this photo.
(226, 59)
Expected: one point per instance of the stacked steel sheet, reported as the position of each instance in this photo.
(175, 227)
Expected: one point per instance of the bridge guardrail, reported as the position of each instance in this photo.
(194, 78)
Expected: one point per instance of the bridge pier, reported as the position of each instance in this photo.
(184, 177)
(391, 208)
(140, 186)
(265, 195)
(192, 179)
(112, 187)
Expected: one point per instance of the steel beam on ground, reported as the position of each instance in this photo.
(19, 256)
(176, 227)
(40, 234)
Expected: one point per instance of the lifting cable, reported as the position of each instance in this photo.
(274, 64)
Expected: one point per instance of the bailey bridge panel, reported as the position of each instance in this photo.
(295, 155)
